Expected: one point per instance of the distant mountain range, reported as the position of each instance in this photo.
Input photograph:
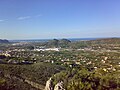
(4, 41)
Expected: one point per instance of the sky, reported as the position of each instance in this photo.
(46, 19)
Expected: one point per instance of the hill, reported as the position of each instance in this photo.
(63, 43)
(106, 41)
(4, 41)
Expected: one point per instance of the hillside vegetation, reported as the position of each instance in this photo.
(78, 65)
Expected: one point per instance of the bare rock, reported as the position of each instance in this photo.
(49, 85)
(59, 86)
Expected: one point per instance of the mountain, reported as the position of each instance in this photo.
(4, 41)
(58, 43)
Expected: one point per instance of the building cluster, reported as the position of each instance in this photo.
(46, 49)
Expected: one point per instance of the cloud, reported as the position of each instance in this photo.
(28, 17)
(23, 18)
(2, 20)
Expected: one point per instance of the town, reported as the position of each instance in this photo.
(91, 55)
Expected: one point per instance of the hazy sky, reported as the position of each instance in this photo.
(37, 19)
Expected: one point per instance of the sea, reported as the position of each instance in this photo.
(45, 40)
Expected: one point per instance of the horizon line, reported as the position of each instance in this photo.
(63, 38)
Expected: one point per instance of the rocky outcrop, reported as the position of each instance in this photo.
(49, 85)
(59, 86)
